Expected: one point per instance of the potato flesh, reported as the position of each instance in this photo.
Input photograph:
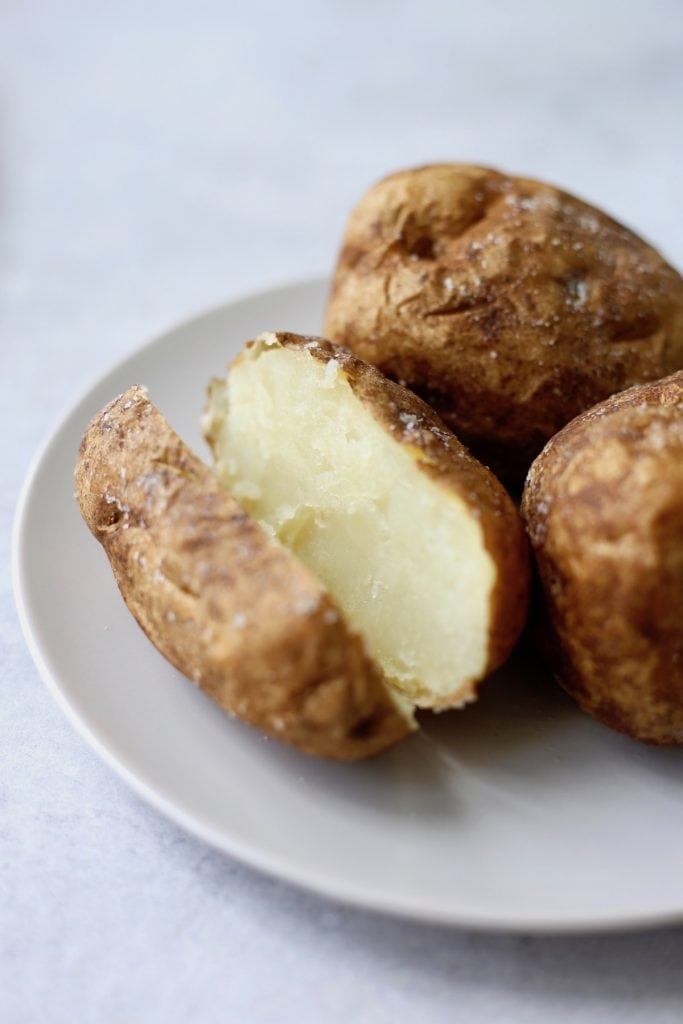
(403, 558)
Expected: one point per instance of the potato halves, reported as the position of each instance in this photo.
(416, 541)
(224, 602)
(604, 508)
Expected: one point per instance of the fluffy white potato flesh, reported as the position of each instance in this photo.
(403, 557)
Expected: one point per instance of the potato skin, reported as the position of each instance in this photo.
(440, 455)
(225, 604)
(508, 305)
(604, 510)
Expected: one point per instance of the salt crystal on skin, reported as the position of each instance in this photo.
(409, 420)
(527, 203)
(581, 293)
(441, 434)
(307, 605)
(577, 293)
(588, 222)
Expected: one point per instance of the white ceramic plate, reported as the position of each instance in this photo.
(518, 813)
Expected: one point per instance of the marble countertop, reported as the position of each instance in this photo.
(156, 159)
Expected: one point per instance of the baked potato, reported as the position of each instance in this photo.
(507, 304)
(604, 510)
(225, 603)
(417, 542)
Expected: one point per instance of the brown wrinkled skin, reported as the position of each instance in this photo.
(230, 608)
(604, 509)
(508, 305)
(411, 422)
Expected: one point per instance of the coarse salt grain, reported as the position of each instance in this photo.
(409, 420)
(306, 605)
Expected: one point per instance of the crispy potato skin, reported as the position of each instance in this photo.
(440, 455)
(604, 510)
(507, 304)
(229, 607)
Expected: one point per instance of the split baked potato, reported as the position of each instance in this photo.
(604, 510)
(354, 561)
(507, 304)
(417, 542)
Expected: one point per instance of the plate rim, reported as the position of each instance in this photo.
(248, 854)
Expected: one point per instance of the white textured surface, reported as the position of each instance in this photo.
(158, 158)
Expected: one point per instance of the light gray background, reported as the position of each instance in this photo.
(159, 157)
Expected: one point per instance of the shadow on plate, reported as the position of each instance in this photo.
(523, 739)
(511, 731)
(519, 706)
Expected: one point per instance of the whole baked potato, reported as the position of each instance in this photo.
(604, 510)
(507, 304)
